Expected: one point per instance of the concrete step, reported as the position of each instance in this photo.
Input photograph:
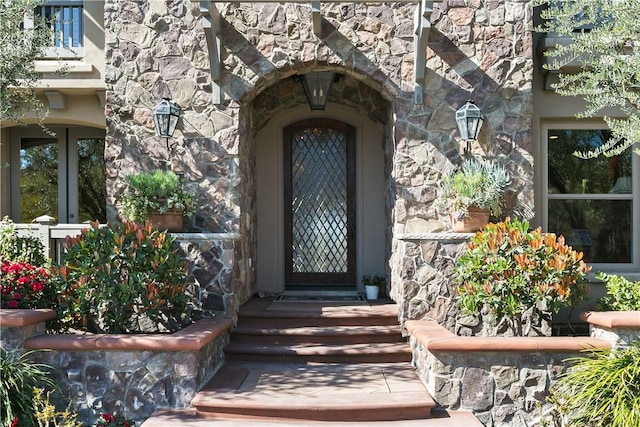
(190, 418)
(318, 352)
(315, 392)
(263, 313)
(319, 334)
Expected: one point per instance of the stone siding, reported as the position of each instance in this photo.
(422, 272)
(476, 50)
(212, 260)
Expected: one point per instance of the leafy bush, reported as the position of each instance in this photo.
(27, 249)
(158, 191)
(19, 378)
(24, 286)
(601, 389)
(478, 183)
(125, 278)
(510, 269)
(623, 294)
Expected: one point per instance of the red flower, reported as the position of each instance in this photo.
(14, 422)
(12, 304)
(108, 417)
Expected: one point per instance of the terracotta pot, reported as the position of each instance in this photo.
(171, 221)
(475, 221)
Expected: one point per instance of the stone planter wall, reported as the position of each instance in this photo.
(422, 271)
(503, 380)
(213, 269)
(132, 374)
(619, 328)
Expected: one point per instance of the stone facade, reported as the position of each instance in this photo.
(423, 270)
(476, 50)
(212, 262)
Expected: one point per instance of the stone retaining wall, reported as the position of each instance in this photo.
(620, 328)
(212, 260)
(504, 381)
(131, 374)
(422, 270)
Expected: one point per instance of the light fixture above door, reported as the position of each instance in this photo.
(316, 86)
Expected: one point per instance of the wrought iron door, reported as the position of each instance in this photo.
(319, 162)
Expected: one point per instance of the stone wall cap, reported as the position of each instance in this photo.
(191, 338)
(192, 237)
(446, 236)
(613, 319)
(436, 338)
(11, 318)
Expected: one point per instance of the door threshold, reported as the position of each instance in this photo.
(320, 293)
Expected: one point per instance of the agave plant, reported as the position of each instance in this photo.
(479, 183)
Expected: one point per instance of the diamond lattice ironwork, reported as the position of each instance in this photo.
(319, 201)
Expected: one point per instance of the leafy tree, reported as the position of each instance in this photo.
(604, 38)
(20, 46)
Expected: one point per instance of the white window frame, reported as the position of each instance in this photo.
(67, 138)
(630, 270)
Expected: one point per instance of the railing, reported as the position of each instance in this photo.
(51, 234)
(65, 18)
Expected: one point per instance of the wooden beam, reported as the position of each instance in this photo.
(317, 18)
(211, 25)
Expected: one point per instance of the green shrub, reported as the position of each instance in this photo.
(601, 389)
(20, 376)
(27, 249)
(158, 191)
(510, 269)
(623, 294)
(126, 278)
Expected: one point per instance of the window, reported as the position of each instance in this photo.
(592, 202)
(65, 18)
(62, 176)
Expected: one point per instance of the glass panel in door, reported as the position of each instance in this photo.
(319, 203)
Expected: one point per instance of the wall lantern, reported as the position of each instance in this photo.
(165, 117)
(469, 119)
(316, 86)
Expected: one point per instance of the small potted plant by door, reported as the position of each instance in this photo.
(158, 197)
(472, 193)
(373, 285)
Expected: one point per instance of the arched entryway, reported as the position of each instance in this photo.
(321, 218)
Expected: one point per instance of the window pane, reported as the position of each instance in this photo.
(92, 182)
(593, 176)
(599, 228)
(38, 178)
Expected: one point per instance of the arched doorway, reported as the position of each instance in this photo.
(307, 202)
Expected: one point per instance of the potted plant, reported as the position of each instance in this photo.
(518, 277)
(373, 285)
(473, 192)
(158, 197)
